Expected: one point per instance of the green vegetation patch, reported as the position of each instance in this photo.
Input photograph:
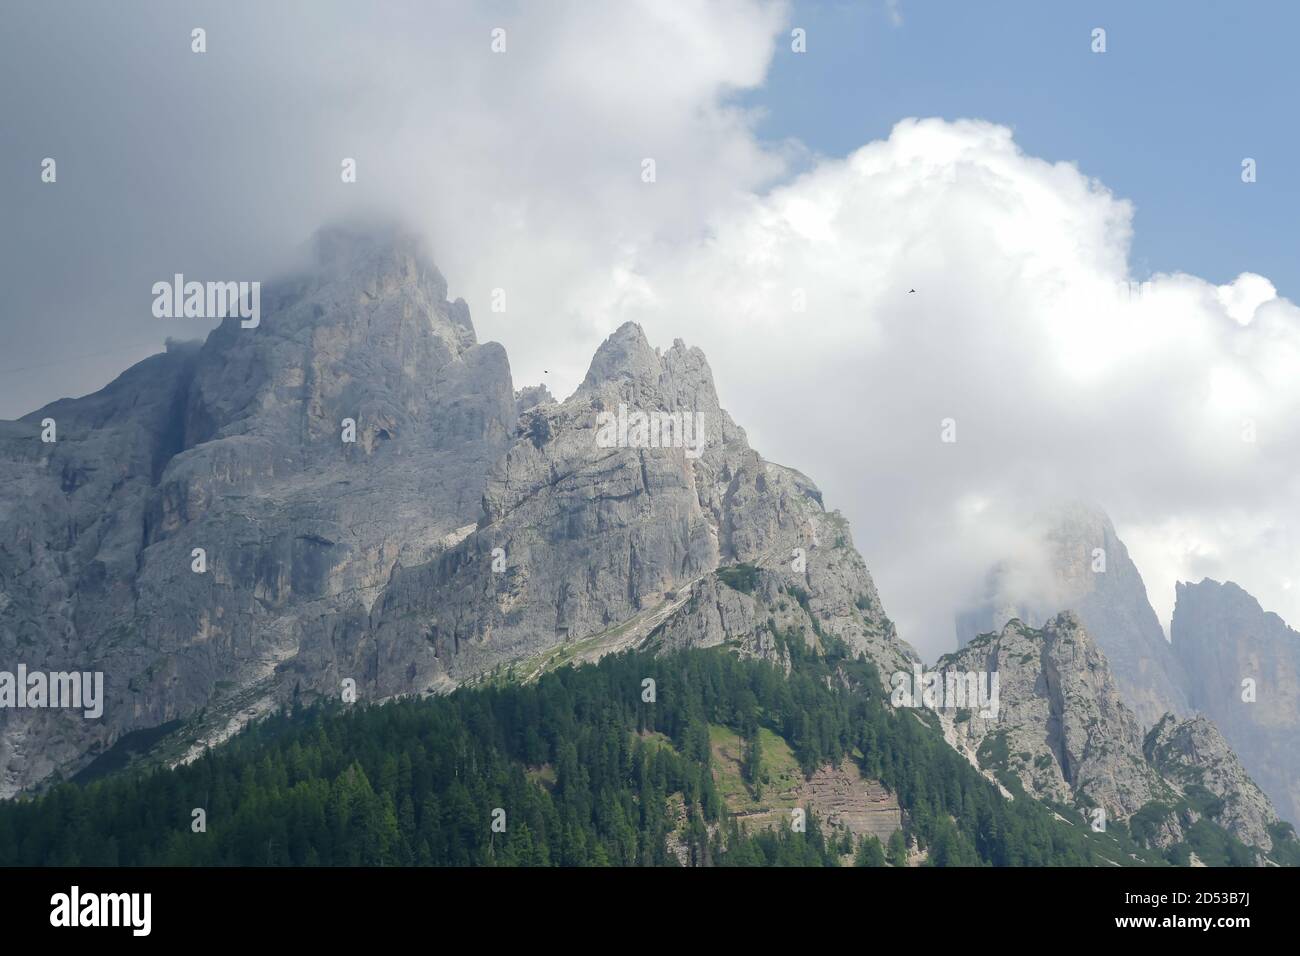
(739, 577)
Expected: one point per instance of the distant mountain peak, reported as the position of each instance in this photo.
(1228, 593)
(1242, 666)
(1063, 733)
(627, 361)
(1079, 563)
(626, 354)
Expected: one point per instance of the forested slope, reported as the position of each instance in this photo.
(576, 769)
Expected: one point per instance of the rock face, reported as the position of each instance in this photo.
(1112, 604)
(205, 534)
(235, 448)
(72, 529)
(1062, 729)
(587, 525)
(1192, 753)
(530, 396)
(760, 612)
(1064, 734)
(1223, 638)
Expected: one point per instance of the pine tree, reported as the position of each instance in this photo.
(870, 852)
(753, 766)
(897, 854)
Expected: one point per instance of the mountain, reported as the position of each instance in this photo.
(1062, 729)
(1220, 636)
(234, 447)
(351, 503)
(1066, 572)
(582, 766)
(203, 532)
(1064, 735)
(1224, 638)
(576, 768)
(1194, 756)
(596, 545)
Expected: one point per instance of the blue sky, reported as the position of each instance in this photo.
(1164, 118)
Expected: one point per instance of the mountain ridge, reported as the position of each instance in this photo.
(1064, 734)
(353, 500)
(374, 503)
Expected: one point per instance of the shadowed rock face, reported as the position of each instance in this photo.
(1112, 604)
(235, 447)
(466, 526)
(1223, 637)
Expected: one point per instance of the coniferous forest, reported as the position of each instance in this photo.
(574, 769)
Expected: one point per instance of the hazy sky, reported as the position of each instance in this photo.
(983, 155)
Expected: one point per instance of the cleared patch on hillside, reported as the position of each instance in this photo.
(770, 803)
(844, 798)
(839, 796)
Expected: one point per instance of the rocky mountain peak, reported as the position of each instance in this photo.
(381, 258)
(530, 396)
(368, 334)
(626, 354)
(1078, 562)
(1242, 667)
(1062, 733)
(1223, 599)
(350, 429)
(627, 365)
(1195, 757)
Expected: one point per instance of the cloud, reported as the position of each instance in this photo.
(1066, 380)
(525, 169)
(1242, 297)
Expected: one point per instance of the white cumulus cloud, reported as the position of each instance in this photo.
(1172, 402)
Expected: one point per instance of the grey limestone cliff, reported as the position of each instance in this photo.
(235, 447)
(1064, 734)
(352, 495)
